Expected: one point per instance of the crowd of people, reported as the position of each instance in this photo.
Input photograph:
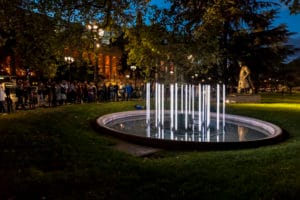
(55, 93)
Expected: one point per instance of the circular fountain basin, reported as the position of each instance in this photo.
(236, 132)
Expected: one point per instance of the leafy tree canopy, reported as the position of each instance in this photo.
(294, 5)
(233, 31)
(201, 35)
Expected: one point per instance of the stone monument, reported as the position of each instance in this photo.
(245, 84)
(245, 88)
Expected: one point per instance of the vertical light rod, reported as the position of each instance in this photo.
(208, 106)
(218, 107)
(181, 98)
(176, 106)
(186, 106)
(190, 97)
(159, 105)
(171, 107)
(156, 105)
(199, 107)
(148, 103)
(193, 103)
(162, 105)
(224, 101)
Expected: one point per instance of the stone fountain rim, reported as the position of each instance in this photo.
(275, 133)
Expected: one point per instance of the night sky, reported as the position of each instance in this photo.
(284, 17)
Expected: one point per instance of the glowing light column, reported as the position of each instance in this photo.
(186, 107)
(199, 108)
(223, 113)
(156, 105)
(176, 106)
(208, 106)
(218, 112)
(148, 109)
(171, 110)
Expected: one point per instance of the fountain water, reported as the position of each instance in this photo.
(194, 113)
(181, 117)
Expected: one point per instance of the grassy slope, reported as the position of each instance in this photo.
(54, 154)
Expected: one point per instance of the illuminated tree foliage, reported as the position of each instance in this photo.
(233, 31)
(31, 38)
(206, 37)
(25, 36)
(145, 47)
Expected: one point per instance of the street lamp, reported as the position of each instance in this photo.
(133, 68)
(98, 34)
(69, 60)
(196, 77)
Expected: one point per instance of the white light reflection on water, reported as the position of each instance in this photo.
(232, 132)
(188, 117)
(188, 98)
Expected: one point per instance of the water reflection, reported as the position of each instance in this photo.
(230, 132)
(188, 117)
(242, 131)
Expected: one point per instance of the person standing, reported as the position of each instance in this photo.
(115, 92)
(63, 90)
(2, 99)
(27, 92)
(53, 93)
(102, 93)
(19, 94)
(122, 91)
(91, 92)
(128, 91)
(40, 93)
(48, 92)
(58, 94)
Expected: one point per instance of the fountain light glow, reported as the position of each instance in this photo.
(192, 123)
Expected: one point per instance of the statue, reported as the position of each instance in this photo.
(245, 84)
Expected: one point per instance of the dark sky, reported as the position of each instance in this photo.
(292, 21)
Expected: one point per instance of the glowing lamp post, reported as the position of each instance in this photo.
(133, 68)
(69, 60)
(98, 34)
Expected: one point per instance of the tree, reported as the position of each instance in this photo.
(294, 5)
(233, 31)
(290, 74)
(114, 15)
(7, 32)
(41, 32)
(30, 38)
(145, 47)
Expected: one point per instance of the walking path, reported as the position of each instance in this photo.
(134, 149)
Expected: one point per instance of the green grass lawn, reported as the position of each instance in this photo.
(54, 153)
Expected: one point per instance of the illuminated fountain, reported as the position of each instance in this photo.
(182, 117)
(189, 111)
